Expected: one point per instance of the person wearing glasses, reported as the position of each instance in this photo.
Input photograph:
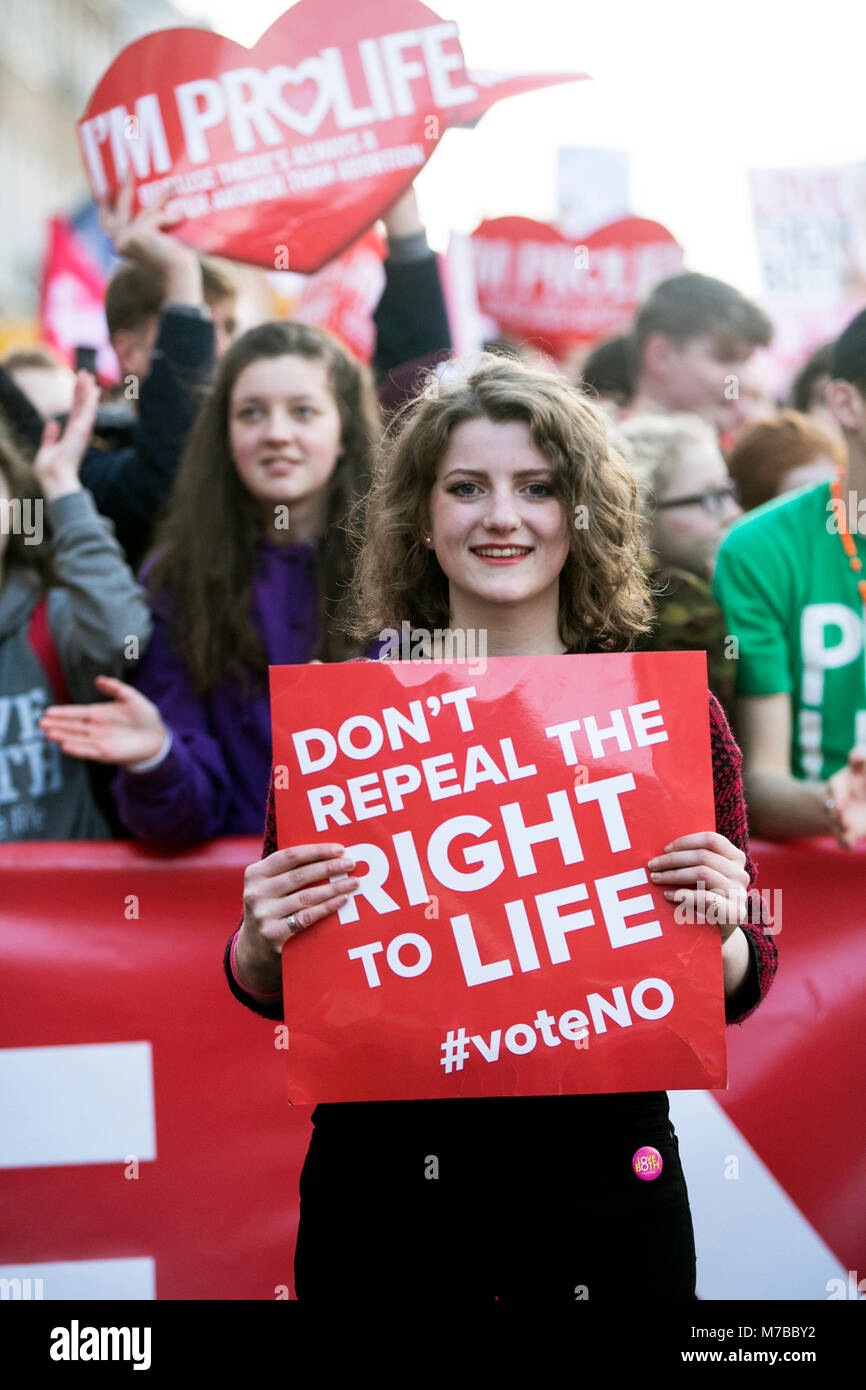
(688, 501)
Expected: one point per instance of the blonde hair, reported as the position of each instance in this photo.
(653, 446)
(603, 592)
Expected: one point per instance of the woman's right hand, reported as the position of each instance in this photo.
(125, 729)
(288, 883)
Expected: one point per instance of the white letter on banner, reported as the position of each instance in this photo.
(195, 119)
(487, 855)
(151, 139)
(305, 762)
(422, 946)
(597, 736)
(400, 72)
(555, 926)
(399, 781)
(473, 970)
(328, 801)
(248, 108)
(522, 836)
(615, 912)
(366, 954)
(93, 134)
(607, 792)
(618, 1010)
(378, 869)
(661, 1009)
(640, 723)
(347, 728)
(564, 732)
(375, 79)
(459, 699)
(440, 63)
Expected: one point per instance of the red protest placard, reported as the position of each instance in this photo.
(284, 153)
(537, 284)
(342, 296)
(505, 939)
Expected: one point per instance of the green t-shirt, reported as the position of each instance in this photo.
(790, 598)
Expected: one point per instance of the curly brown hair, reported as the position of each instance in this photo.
(205, 549)
(604, 595)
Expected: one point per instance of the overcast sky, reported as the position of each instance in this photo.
(696, 93)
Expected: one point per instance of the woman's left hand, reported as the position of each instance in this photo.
(708, 873)
(59, 458)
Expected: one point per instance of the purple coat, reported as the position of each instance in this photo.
(215, 778)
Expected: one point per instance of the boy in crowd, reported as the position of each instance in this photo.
(793, 593)
(690, 343)
(162, 329)
(139, 293)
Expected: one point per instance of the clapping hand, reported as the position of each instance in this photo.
(128, 728)
(56, 465)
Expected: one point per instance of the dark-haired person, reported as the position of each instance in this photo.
(812, 380)
(607, 372)
(691, 339)
(70, 610)
(248, 571)
(140, 292)
(166, 359)
(536, 1195)
(783, 453)
(809, 389)
(790, 580)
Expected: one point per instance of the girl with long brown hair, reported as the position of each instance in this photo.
(249, 569)
(501, 506)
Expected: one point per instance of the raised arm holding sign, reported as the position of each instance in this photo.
(514, 945)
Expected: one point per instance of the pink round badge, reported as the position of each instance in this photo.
(647, 1163)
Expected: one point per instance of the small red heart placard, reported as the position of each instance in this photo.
(536, 284)
(283, 154)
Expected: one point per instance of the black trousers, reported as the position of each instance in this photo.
(517, 1200)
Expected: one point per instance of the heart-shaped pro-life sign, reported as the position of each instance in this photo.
(538, 285)
(283, 154)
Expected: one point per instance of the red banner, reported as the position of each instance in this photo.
(283, 154)
(213, 1211)
(342, 296)
(537, 284)
(509, 942)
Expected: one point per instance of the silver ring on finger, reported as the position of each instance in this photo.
(293, 923)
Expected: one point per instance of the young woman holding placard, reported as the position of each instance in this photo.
(251, 562)
(470, 524)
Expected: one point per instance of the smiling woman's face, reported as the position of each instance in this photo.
(284, 428)
(499, 531)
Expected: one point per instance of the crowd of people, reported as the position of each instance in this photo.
(196, 530)
(262, 498)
